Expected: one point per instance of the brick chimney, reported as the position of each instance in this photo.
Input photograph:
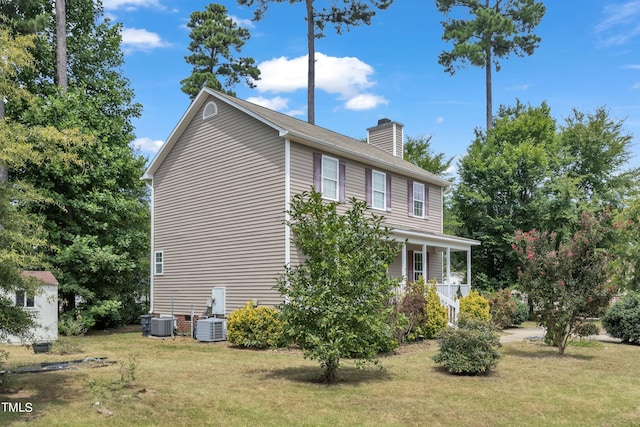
(387, 136)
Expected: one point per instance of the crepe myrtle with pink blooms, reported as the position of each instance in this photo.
(566, 282)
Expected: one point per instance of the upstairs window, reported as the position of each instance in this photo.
(158, 261)
(329, 177)
(418, 200)
(379, 190)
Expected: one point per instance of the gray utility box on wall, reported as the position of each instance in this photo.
(161, 326)
(211, 329)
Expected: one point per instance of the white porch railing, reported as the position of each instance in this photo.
(451, 290)
(452, 306)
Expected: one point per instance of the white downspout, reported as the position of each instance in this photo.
(152, 245)
(287, 201)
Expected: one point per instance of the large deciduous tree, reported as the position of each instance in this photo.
(99, 218)
(418, 151)
(23, 240)
(487, 32)
(337, 297)
(567, 283)
(318, 15)
(527, 172)
(214, 37)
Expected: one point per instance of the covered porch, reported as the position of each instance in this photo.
(429, 255)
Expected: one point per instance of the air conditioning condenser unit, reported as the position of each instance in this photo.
(161, 326)
(211, 329)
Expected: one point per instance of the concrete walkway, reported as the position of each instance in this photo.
(537, 334)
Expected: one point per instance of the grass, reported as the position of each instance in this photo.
(182, 382)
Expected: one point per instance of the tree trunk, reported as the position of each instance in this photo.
(489, 87)
(61, 45)
(311, 76)
(4, 173)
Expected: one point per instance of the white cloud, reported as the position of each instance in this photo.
(621, 23)
(130, 4)
(632, 67)
(636, 86)
(147, 145)
(277, 103)
(346, 77)
(439, 120)
(246, 23)
(141, 39)
(364, 101)
(519, 87)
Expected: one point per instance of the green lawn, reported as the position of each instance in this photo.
(182, 382)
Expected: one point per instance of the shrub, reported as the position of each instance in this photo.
(469, 350)
(71, 325)
(587, 329)
(521, 314)
(622, 319)
(412, 307)
(436, 316)
(255, 327)
(474, 307)
(501, 307)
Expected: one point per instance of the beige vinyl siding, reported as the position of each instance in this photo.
(302, 179)
(382, 138)
(218, 211)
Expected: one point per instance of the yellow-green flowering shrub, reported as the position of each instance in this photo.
(255, 327)
(474, 307)
(436, 316)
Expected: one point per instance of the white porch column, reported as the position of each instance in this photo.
(424, 262)
(403, 283)
(449, 273)
(469, 267)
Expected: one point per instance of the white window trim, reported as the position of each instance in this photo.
(336, 178)
(418, 272)
(384, 191)
(156, 263)
(423, 201)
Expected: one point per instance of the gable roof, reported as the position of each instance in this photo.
(44, 276)
(299, 131)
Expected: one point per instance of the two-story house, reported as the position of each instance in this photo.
(221, 185)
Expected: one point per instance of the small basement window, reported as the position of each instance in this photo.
(210, 110)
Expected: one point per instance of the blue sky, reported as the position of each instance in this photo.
(589, 57)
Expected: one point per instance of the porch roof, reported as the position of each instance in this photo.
(432, 239)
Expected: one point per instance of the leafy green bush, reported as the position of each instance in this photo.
(521, 314)
(469, 350)
(71, 324)
(255, 327)
(423, 316)
(501, 307)
(436, 316)
(474, 307)
(412, 307)
(587, 329)
(622, 319)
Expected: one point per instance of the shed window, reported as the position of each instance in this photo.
(25, 300)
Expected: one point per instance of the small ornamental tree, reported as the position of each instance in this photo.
(566, 282)
(337, 298)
